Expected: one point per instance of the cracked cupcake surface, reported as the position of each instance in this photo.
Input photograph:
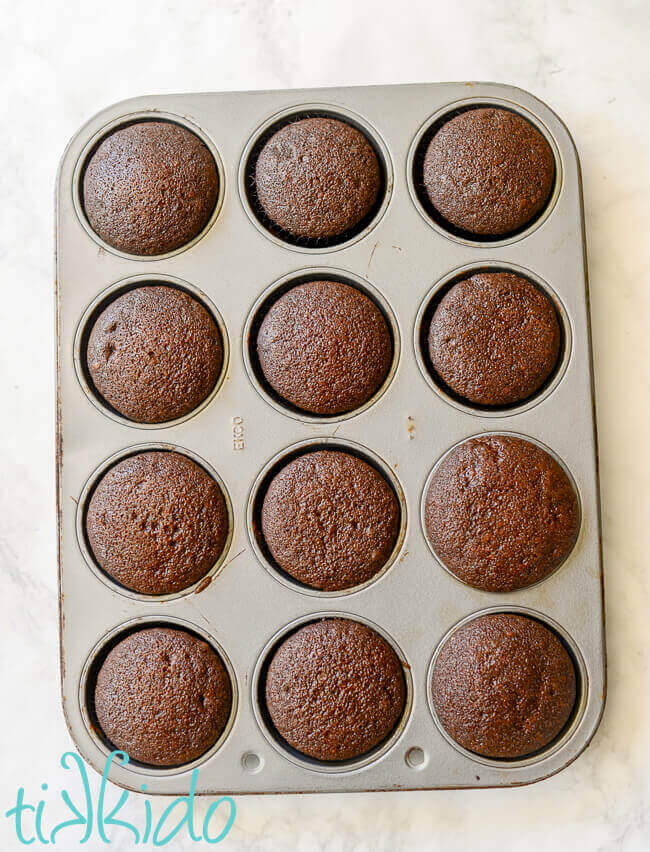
(156, 522)
(325, 347)
(163, 696)
(503, 686)
(330, 520)
(488, 171)
(501, 513)
(335, 689)
(494, 338)
(154, 354)
(150, 188)
(317, 178)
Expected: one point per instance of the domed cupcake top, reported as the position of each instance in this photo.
(501, 513)
(150, 187)
(488, 171)
(325, 347)
(335, 689)
(317, 178)
(503, 686)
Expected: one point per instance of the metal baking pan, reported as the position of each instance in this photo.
(401, 257)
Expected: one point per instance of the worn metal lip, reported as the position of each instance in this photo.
(132, 282)
(334, 110)
(134, 118)
(578, 711)
(343, 444)
(559, 370)
(345, 277)
(342, 767)
(507, 434)
(132, 626)
(92, 482)
(485, 101)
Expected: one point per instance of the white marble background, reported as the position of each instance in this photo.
(62, 61)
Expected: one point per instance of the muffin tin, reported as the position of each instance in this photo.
(401, 258)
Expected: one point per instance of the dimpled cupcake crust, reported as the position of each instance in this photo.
(154, 354)
(325, 347)
(156, 522)
(500, 513)
(163, 696)
(335, 689)
(150, 187)
(488, 171)
(330, 520)
(317, 178)
(494, 338)
(503, 686)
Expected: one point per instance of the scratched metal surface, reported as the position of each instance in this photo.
(415, 602)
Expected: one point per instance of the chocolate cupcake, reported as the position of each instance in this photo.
(163, 696)
(494, 338)
(156, 522)
(330, 520)
(317, 178)
(154, 354)
(150, 187)
(324, 347)
(503, 686)
(488, 171)
(501, 513)
(335, 690)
